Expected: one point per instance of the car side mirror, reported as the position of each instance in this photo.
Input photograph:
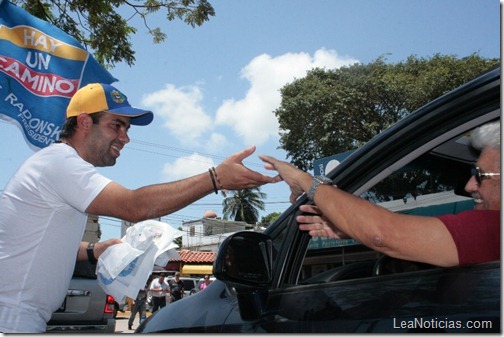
(245, 258)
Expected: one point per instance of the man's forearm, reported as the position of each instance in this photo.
(151, 201)
(81, 253)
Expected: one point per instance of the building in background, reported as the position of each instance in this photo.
(207, 233)
(192, 263)
(92, 233)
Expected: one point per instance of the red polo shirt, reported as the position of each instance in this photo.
(476, 234)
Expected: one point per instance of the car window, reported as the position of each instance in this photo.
(188, 284)
(432, 184)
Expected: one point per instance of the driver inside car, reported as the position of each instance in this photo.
(469, 237)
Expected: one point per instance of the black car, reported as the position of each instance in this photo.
(283, 280)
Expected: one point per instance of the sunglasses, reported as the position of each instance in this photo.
(476, 172)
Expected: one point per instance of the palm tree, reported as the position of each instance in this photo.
(243, 205)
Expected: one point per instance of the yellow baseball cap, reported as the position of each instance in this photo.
(96, 97)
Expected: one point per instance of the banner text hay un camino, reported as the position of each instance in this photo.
(41, 67)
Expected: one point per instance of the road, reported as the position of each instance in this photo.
(122, 322)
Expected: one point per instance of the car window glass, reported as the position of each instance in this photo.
(188, 284)
(278, 238)
(431, 185)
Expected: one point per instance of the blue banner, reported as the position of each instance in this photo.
(41, 67)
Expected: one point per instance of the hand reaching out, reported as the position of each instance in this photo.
(234, 175)
(298, 180)
(317, 224)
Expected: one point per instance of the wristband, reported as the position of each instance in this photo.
(218, 181)
(213, 181)
(90, 253)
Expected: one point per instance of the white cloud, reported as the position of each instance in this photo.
(181, 109)
(216, 142)
(252, 117)
(185, 167)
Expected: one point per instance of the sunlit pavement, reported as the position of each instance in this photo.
(122, 322)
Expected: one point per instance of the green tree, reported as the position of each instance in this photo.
(269, 219)
(244, 205)
(98, 26)
(333, 111)
(178, 241)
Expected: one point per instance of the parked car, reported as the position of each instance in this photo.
(284, 281)
(86, 308)
(200, 282)
(122, 307)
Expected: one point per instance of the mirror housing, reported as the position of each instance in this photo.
(244, 262)
(245, 259)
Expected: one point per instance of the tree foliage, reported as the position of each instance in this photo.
(97, 25)
(178, 241)
(269, 219)
(333, 111)
(244, 205)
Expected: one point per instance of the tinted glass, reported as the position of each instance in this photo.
(188, 284)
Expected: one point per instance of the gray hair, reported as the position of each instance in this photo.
(487, 135)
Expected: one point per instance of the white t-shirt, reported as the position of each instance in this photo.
(42, 220)
(157, 285)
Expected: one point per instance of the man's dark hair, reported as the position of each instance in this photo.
(68, 129)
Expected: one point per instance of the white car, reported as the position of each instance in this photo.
(198, 285)
(190, 284)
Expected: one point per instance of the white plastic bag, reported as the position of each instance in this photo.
(123, 269)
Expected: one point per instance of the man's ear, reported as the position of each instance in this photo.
(84, 121)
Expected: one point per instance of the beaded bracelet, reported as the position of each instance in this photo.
(213, 181)
(219, 182)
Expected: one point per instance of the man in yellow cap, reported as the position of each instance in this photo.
(44, 207)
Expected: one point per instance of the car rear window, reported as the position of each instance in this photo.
(188, 284)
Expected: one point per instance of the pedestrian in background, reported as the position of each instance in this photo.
(159, 288)
(139, 306)
(206, 282)
(176, 288)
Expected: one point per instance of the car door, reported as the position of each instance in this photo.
(439, 300)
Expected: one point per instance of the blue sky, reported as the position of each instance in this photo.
(214, 88)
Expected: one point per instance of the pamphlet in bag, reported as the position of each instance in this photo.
(123, 269)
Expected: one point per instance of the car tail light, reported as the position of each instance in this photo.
(109, 305)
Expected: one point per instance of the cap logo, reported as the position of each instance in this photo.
(117, 96)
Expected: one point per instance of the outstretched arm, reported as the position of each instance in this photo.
(161, 199)
(416, 238)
